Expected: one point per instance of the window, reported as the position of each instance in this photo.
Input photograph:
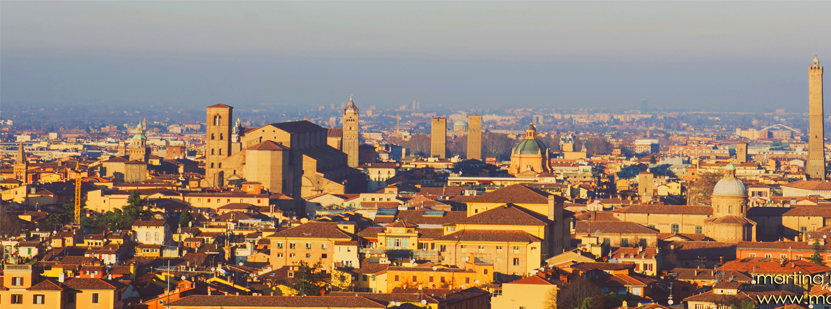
(442, 279)
(324, 246)
(481, 248)
(308, 255)
(699, 230)
(467, 280)
(431, 279)
(486, 271)
(323, 256)
(291, 246)
(308, 246)
(279, 255)
(607, 241)
(291, 255)
(803, 229)
(799, 256)
(498, 248)
(157, 236)
(396, 278)
(442, 248)
(753, 255)
(516, 261)
(40, 299)
(415, 278)
(730, 209)
(364, 278)
(782, 256)
(675, 228)
(767, 255)
(624, 242)
(17, 298)
(279, 245)
(17, 281)
(516, 248)
(652, 226)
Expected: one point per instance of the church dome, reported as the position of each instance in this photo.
(730, 185)
(530, 146)
(460, 123)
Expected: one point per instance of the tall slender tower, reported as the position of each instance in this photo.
(438, 138)
(816, 148)
(474, 137)
(218, 142)
(351, 131)
(21, 166)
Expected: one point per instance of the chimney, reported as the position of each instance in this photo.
(721, 260)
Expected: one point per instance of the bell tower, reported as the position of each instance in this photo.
(21, 166)
(815, 168)
(351, 128)
(217, 142)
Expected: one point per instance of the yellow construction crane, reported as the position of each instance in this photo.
(397, 122)
(77, 194)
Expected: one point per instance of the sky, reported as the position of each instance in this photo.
(720, 56)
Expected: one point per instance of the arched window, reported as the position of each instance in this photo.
(212, 136)
(221, 136)
(730, 209)
(147, 237)
(220, 151)
(675, 228)
(217, 120)
(157, 236)
(212, 165)
(212, 151)
(220, 165)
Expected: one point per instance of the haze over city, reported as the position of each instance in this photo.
(680, 55)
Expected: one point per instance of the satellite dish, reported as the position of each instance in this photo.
(415, 264)
(435, 267)
(476, 281)
(184, 278)
(392, 303)
(670, 302)
(424, 302)
(397, 303)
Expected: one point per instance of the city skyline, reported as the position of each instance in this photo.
(721, 57)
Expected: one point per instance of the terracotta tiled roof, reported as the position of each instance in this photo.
(735, 220)
(774, 266)
(591, 227)
(386, 298)
(335, 132)
(666, 210)
(632, 253)
(465, 295)
(418, 217)
(314, 229)
(401, 224)
(732, 285)
(800, 211)
(47, 284)
(149, 223)
(219, 105)
(506, 215)
(693, 274)
(268, 145)
(596, 216)
(815, 185)
(711, 250)
(89, 284)
(779, 245)
(297, 126)
(584, 267)
(370, 232)
(487, 235)
(515, 194)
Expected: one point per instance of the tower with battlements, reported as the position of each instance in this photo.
(815, 168)
(351, 131)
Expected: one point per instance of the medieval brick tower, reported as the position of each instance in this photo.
(474, 137)
(218, 142)
(438, 138)
(351, 131)
(815, 167)
(21, 166)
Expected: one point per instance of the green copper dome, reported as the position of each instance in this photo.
(460, 123)
(530, 146)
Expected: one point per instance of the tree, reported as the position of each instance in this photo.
(734, 302)
(67, 216)
(185, 218)
(580, 292)
(135, 208)
(551, 299)
(702, 188)
(652, 160)
(309, 279)
(816, 258)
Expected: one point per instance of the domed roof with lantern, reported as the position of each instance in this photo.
(530, 145)
(350, 108)
(730, 185)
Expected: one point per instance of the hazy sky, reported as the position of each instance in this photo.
(710, 55)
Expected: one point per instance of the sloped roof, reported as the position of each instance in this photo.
(268, 145)
(314, 229)
(219, 105)
(666, 210)
(298, 126)
(276, 301)
(591, 227)
(506, 215)
(515, 194)
(488, 235)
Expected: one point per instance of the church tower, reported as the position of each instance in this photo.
(815, 168)
(21, 166)
(218, 142)
(351, 128)
(138, 150)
